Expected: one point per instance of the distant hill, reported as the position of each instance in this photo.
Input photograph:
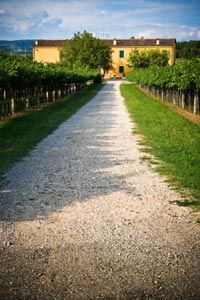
(17, 46)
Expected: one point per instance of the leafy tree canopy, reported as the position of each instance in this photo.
(84, 50)
(144, 59)
(188, 49)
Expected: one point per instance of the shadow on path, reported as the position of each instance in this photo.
(75, 163)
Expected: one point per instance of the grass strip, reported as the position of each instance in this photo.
(18, 135)
(171, 138)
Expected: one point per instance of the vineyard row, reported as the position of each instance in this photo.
(25, 84)
(178, 84)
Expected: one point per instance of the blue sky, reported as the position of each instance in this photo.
(60, 19)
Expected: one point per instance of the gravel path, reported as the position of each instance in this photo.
(84, 217)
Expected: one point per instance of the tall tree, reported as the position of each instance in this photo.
(84, 50)
(143, 59)
(138, 59)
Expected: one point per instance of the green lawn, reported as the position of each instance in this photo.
(20, 134)
(171, 138)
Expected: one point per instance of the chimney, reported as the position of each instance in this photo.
(114, 42)
(36, 43)
(157, 42)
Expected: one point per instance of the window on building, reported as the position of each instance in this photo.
(121, 53)
(121, 69)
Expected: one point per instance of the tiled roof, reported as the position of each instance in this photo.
(142, 42)
(50, 42)
(119, 42)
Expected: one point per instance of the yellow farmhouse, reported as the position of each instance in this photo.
(49, 51)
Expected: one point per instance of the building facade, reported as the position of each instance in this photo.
(49, 51)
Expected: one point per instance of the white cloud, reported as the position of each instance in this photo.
(104, 13)
(168, 31)
(21, 27)
(198, 34)
(62, 18)
(2, 11)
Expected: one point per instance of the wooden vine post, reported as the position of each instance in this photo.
(196, 102)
